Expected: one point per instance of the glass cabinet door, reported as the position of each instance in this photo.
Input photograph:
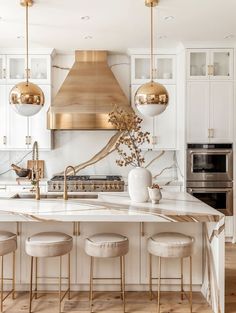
(164, 69)
(40, 69)
(140, 69)
(16, 68)
(222, 64)
(198, 61)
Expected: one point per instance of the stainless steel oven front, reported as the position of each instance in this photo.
(219, 196)
(209, 162)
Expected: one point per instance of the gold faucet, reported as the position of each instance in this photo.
(65, 196)
(35, 170)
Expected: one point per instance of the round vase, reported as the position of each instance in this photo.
(139, 179)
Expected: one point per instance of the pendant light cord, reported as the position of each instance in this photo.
(27, 43)
(152, 56)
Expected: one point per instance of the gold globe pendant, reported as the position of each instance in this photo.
(26, 99)
(151, 99)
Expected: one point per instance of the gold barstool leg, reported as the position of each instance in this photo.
(150, 275)
(13, 274)
(123, 281)
(36, 278)
(182, 279)
(69, 277)
(1, 283)
(91, 284)
(60, 270)
(159, 287)
(31, 283)
(191, 288)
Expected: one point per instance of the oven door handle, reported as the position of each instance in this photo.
(205, 190)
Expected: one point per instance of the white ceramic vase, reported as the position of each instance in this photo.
(139, 179)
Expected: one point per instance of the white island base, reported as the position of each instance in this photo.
(178, 212)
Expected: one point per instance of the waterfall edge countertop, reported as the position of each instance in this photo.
(108, 207)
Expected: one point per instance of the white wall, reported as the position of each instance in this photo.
(74, 147)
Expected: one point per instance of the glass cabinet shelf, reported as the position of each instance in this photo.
(164, 69)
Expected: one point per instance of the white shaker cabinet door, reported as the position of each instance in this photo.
(38, 123)
(3, 120)
(18, 127)
(198, 113)
(165, 132)
(221, 111)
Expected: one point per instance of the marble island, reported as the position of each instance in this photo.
(114, 212)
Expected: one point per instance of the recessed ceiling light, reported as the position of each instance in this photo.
(169, 18)
(85, 18)
(229, 36)
(88, 37)
(20, 37)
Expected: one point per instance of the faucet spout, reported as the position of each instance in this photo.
(65, 196)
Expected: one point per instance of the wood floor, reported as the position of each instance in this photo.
(136, 301)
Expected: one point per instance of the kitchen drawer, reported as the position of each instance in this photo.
(23, 188)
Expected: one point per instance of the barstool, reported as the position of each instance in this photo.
(46, 245)
(107, 246)
(8, 244)
(170, 245)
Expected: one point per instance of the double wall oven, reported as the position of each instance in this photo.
(210, 175)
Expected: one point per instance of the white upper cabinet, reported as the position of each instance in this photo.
(38, 123)
(2, 69)
(162, 128)
(3, 120)
(17, 127)
(210, 111)
(221, 111)
(19, 132)
(164, 69)
(39, 69)
(198, 115)
(210, 64)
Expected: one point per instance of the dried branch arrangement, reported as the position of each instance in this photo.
(132, 137)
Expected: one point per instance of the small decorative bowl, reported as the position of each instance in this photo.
(155, 194)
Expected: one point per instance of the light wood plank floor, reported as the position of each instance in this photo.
(136, 301)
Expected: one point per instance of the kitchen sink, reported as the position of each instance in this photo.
(55, 196)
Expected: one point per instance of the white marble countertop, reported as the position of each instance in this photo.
(109, 207)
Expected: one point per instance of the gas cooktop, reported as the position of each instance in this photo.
(87, 183)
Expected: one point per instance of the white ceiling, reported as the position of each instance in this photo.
(115, 25)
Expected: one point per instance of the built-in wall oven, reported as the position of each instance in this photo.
(210, 175)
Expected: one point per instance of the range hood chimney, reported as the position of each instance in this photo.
(88, 94)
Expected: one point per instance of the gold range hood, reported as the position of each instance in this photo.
(88, 94)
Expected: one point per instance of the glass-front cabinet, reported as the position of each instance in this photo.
(39, 69)
(163, 72)
(210, 64)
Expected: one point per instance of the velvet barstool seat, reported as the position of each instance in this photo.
(107, 245)
(47, 245)
(170, 245)
(8, 244)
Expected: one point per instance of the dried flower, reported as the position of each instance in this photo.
(132, 137)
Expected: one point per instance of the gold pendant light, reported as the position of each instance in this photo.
(26, 98)
(152, 98)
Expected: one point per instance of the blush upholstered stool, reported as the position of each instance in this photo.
(46, 245)
(170, 245)
(107, 246)
(8, 244)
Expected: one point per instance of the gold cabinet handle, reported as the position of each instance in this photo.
(26, 140)
(4, 73)
(210, 70)
(4, 140)
(210, 132)
(29, 140)
(154, 140)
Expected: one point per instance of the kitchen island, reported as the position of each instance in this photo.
(114, 212)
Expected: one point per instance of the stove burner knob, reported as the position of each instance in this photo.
(54, 187)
